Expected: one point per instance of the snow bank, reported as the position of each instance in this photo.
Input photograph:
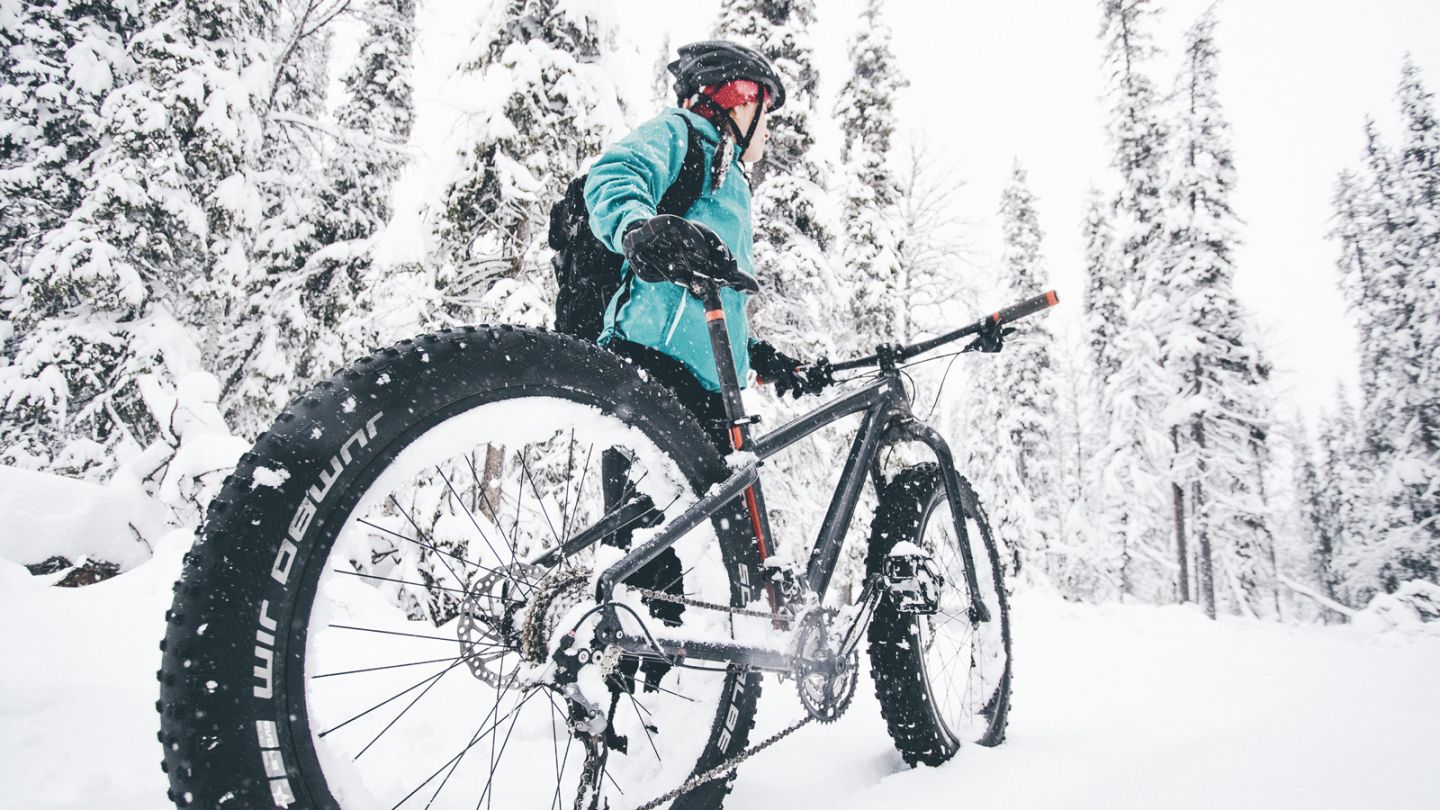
(1414, 607)
(46, 515)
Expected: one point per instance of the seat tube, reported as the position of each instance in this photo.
(738, 428)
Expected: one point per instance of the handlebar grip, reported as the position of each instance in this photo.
(1015, 312)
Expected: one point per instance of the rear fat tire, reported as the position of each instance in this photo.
(898, 668)
(232, 691)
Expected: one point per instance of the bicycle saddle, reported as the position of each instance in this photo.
(671, 248)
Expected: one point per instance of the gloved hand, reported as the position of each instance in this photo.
(671, 248)
(787, 374)
(991, 338)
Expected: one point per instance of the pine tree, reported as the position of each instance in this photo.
(1220, 429)
(1419, 180)
(1386, 223)
(558, 109)
(154, 233)
(328, 197)
(1134, 494)
(263, 361)
(1019, 408)
(375, 124)
(1329, 493)
(58, 61)
(875, 274)
(792, 233)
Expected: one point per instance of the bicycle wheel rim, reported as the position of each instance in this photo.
(457, 721)
(966, 662)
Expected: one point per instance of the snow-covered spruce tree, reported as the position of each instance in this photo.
(1385, 224)
(58, 60)
(1328, 493)
(1135, 493)
(1219, 419)
(551, 106)
(1419, 180)
(375, 123)
(328, 189)
(873, 246)
(154, 233)
(1020, 481)
(263, 362)
(793, 230)
(794, 235)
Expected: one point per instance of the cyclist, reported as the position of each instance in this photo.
(726, 91)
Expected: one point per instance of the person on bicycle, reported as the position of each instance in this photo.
(726, 91)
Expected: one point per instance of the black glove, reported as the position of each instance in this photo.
(671, 248)
(788, 374)
(991, 338)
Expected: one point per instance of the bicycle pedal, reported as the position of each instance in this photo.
(912, 580)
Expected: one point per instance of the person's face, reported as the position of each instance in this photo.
(742, 116)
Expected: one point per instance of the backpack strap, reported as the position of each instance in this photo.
(690, 183)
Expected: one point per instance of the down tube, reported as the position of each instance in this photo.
(842, 506)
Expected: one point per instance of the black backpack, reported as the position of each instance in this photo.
(587, 272)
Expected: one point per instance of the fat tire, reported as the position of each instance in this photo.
(225, 745)
(896, 664)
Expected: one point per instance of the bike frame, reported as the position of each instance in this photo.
(887, 419)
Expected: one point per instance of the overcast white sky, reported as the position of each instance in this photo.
(996, 81)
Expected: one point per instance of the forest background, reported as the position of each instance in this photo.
(208, 206)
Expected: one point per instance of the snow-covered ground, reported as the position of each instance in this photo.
(1116, 707)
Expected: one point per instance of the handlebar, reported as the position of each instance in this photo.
(1000, 317)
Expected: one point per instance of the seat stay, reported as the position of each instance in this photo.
(695, 514)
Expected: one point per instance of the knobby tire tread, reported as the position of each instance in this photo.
(897, 675)
(206, 727)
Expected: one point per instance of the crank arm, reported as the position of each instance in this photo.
(869, 599)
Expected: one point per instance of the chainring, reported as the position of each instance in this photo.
(824, 680)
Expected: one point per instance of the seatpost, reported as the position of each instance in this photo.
(737, 423)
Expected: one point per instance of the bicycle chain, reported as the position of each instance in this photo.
(683, 600)
(725, 767)
(730, 765)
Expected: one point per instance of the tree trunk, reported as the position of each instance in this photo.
(1204, 564)
(490, 480)
(1181, 555)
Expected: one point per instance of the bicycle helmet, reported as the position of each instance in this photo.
(716, 61)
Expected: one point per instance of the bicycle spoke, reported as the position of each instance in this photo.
(502, 651)
(525, 467)
(396, 696)
(580, 487)
(421, 532)
(636, 704)
(494, 512)
(509, 572)
(452, 759)
(431, 587)
(487, 795)
(451, 640)
(377, 527)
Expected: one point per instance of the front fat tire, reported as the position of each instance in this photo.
(904, 685)
(233, 731)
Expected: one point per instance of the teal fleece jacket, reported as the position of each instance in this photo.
(625, 185)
